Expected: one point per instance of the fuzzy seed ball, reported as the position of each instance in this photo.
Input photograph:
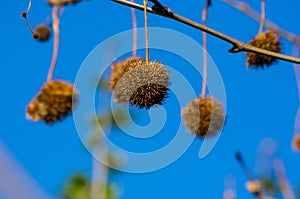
(268, 41)
(62, 2)
(296, 143)
(204, 117)
(139, 83)
(42, 33)
(55, 100)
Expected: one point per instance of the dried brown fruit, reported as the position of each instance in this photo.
(296, 143)
(55, 100)
(204, 117)
(268, 41)
(139, 83)
(42, 32)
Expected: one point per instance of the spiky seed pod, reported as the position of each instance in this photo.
(296, 143)
(253, 186)
(41, 32)
(119, 68)
(204, 117)
(268, 41)
(55, 100)
(62, 2)
(139, 83)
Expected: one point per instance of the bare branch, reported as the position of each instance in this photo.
(238, 46)
(245, 8)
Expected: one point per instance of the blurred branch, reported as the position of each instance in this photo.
(239, 158)
(253, 184)
(245, 8)
(283, 182)
(238, 46)
(99, 180)
(15, 181)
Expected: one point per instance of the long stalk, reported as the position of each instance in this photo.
(55, 26)
(204, 38)
(146, 29)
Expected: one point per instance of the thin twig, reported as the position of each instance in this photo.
(247, 172)
(28, 9)
(238, 46)
(55, 26)
(134, 26)
(146, 29)
(283, 182)
(245, 8)
(28, 25)
(263, 16)
(239, 158)
(24, 14)
(204, 38)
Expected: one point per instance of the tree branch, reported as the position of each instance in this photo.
(238, 46)
(245, 8)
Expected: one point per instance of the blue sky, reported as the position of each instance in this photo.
(260, 103)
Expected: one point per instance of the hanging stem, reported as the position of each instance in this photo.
(263, 16)
(29, 6)
(146, 29)
(55, 26)
(134, 26)
(99, 180)
(24, 14)
(204, 37)
(295, 53)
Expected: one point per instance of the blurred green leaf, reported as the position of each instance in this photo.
(270, 185)
(111, 192)
(109, 119)
(298, 191)
(77, 187)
